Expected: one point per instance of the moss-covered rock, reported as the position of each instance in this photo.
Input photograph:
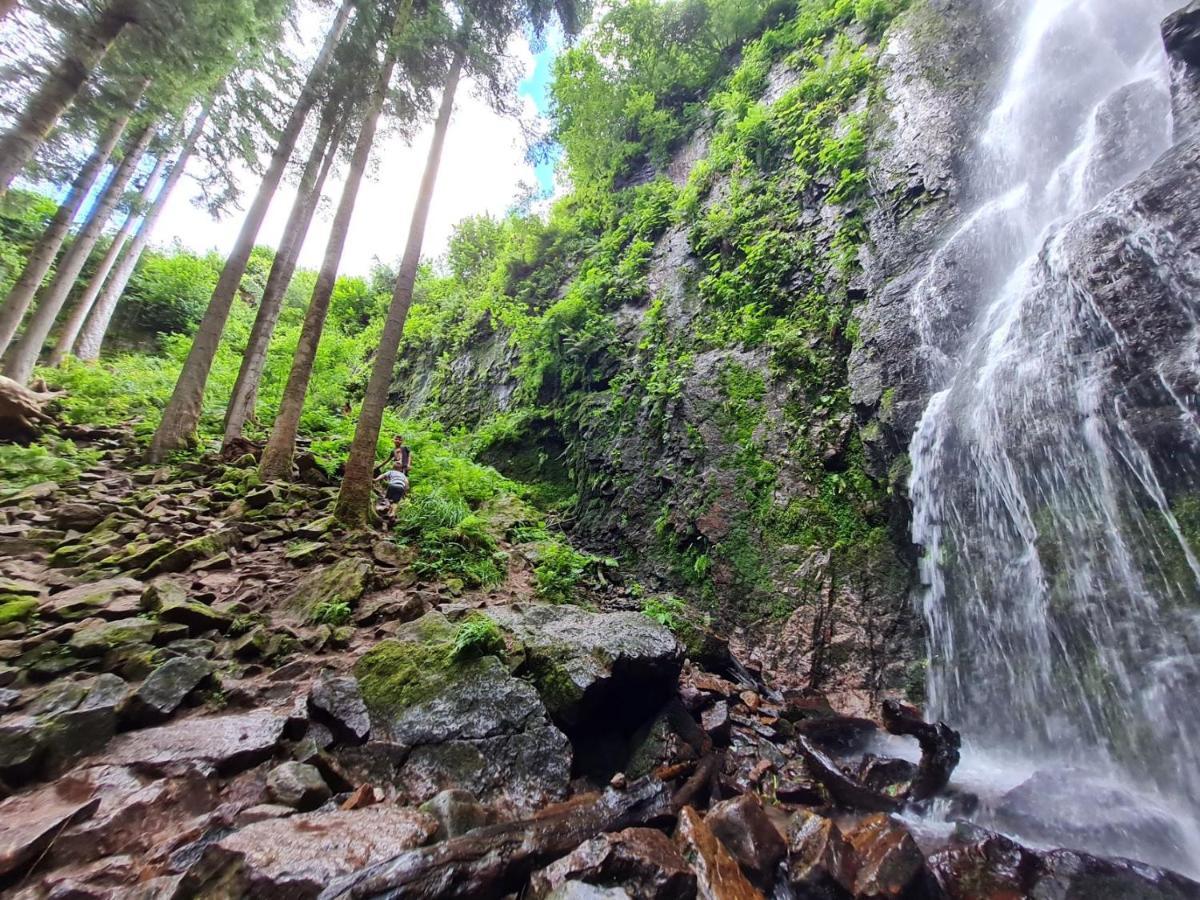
(179, 558)
(16, 609)
(99, 639)
(343, 582)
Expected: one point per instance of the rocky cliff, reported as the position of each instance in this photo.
(737, 423)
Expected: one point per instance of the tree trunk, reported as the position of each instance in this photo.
(97, 324)
(70, 331)
(312, 182)
(354, 500)
(16, 304)
(23, 355)
(6, 6)
(182, 414)
(277, 455)
(83, 54)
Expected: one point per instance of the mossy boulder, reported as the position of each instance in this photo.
(98, 639)
(588, 667)
(106, 597)
(16, 608)
(179, 558)
(342, 582)
(469, 722)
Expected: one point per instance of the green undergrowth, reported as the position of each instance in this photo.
(51, 459)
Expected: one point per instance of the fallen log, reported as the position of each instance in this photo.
(940, 745)
(497, 860)
(844, 790)
(22, 410)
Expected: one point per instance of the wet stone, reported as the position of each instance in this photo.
(298, 856)
(297, 785)
(642, 861)
(336, 701)
(742, 825)
(886, 858)
(819, 859)
(225, 743)
(718, 875)
(164, 690)
(30, 822)
(457, 812)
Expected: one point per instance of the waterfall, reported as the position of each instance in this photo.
(1060, 594)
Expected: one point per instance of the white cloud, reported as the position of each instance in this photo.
(483, 164)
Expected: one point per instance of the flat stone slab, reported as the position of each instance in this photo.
(29, 822)
(298, 856)
(224, 743)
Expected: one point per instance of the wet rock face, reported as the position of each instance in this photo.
(717, 873)
(641, 861)
(221, 743)
(614, 667)
(996, 868)
(300, 855)
(30, 822)
(1181, 34)
(742, 825)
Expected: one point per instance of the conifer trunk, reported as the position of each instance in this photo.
(354, 499)
(70, 330)
(182, 414)
(277, 455)
(92, 337)
(23, 355)
(84, 52)
(312, 182)
(16, 304)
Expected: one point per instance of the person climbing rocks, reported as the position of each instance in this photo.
(395, 478)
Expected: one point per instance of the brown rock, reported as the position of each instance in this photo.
(643, 861)
(820, 859)
(224, 743)
(886, 858)
(717, 873)
(297, 856)
(30, 822)
(742, 825)
(364, 795)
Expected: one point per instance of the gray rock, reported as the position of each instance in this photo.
(619, 666)
(22, 746)
(164, 690)
(643, 861)
(98, 639)
(57, 698)
(94, 599)
(457, 812)
(198, 617)
(30, 822)
(9, 700)
(336, 701)
(581, 890)
(298, 785)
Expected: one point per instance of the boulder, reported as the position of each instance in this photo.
(21, 747)
(178, 558)
(78, 516)
(297, 785)
(997, 868)
(718, 875)
(164, 690)
(886, 859)
(742, 825)
(579, 890)
(112, 597)
(297, 856)
(9, 700)
(30, 822)
(199, 618)
(819, 859)
(336, 701)
(457, 812)
(587, 666)
(469, 722)
(99, 638)
(219, 743)
(642, 861)
(343, 582)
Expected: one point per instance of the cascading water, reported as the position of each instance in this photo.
(1060, 594)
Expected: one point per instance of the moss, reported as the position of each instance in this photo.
(16, 609)
(550, 677)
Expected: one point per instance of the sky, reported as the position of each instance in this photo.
(482, 170)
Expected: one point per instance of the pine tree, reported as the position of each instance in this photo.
(182, 414)
(85, 49)
(41, 258)
(83, 306)
(277, 455)
(23, 354)
(312, 182)
(94, 331)
(487, 26)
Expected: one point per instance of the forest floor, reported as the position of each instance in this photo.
(208, 689)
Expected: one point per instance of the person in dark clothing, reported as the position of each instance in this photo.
(401, 455)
